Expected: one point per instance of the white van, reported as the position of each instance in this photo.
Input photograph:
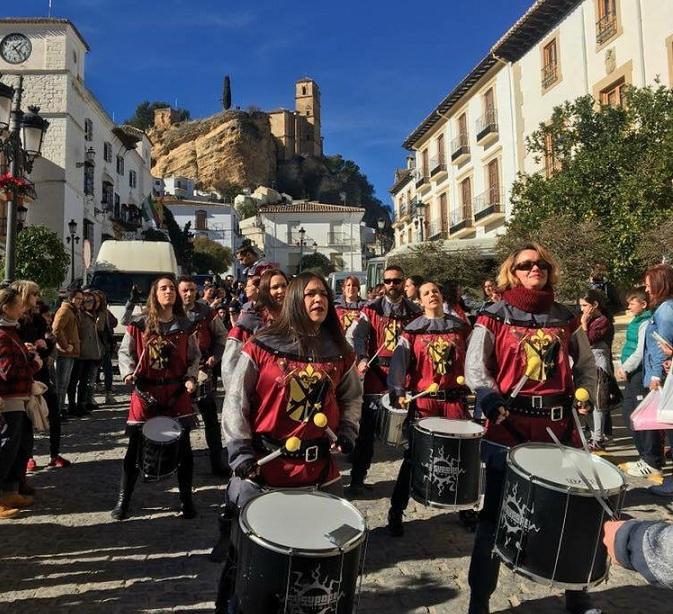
(120, 265)
(336, 281)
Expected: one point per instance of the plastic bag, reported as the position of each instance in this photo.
(665, 411)
(644, 417)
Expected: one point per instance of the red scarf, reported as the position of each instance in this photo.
(529, 300)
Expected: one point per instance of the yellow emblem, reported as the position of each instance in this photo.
(305, 390)
(159, 353)
(540, 349)
(391, 332)
(347, 318)
(439, 352)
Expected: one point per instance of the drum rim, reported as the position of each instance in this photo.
(445, 506)
(419, 428)
(350, 545)
(574, 490)
(389, 406)
(546, 581)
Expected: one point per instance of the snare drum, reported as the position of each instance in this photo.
(299, 552)
(204, 384)
(446, 466)
(161, 447)
(550, 527)
(392, 420)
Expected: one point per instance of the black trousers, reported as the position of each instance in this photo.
(364, 446)
(54, 422)
(211, 425)
(16, 451)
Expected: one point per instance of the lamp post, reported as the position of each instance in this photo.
(381, 224)
(72, 239)
(21, 213)
(21, 146)
(302, 233)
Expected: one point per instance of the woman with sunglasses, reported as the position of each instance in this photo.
(530, 344)
(300, 365)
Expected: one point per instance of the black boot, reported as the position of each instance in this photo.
(218, 466)
(187, 509)
(395, 526)
(121, 510)
(224, 520)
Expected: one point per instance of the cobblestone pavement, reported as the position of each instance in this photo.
(67, 555)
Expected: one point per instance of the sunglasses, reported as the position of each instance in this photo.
(395, 281)
(527, 265)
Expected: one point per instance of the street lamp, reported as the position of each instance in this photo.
(381, 223)
(21, 213)
(72, 239)
(20, 147)
(302, 233)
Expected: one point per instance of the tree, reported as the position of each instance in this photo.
(317, 263)
(181, 238)
(210, 256)
(613, 168)
(143, 116)
(226, 93)
(434, 263)
(152, 234)
(41, 257)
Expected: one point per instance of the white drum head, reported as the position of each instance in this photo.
(162, 429)
(447, 426)
(557, 466)
(387, 405)
(300, 520)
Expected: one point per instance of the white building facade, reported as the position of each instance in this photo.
(332, 230)
(91, 170)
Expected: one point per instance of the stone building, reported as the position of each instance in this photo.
(91, 170)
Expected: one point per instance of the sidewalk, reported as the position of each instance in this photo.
(68, 555)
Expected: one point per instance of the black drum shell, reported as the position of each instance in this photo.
(266, 575)
(159, 460)
(428, 448)
(560, 523)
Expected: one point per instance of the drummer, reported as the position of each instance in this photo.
(300, 365)
(160, 358)
(375, 336)
(430, 350)
(349, 304)
(211, 337)
(272, 288)
(526, 339)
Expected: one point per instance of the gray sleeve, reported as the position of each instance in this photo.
(232, 352)
(127, 316)
(126, 356)
(480, 361)
(647, 547)
(193, 357)
(349, 400)
(219, 333)
(236, 428)
(584, 364)
(361, 336)
(632, 363)
(399, 365)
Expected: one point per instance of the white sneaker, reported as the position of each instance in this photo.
(640, 469)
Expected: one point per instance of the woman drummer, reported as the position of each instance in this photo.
(160, 357)
(431, 350)
(528, 343)
(298, 367)
(350, 303)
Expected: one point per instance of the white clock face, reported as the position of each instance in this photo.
(15, 48)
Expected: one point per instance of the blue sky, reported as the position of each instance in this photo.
(382, 66)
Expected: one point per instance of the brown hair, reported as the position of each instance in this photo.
(8, 296)
(152, 307)
(294, 322)
(264, 300)
(507, 279)
(354, 279)
(25, 288)
(661, 283)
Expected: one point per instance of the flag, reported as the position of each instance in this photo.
(150, 213)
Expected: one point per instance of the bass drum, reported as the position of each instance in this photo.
(446, 470)
(299, 553)
(550, 528)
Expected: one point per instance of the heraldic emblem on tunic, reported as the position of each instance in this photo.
(541, 350)
(440, 352)
(159, 351)
(390, 335)
(307, 388)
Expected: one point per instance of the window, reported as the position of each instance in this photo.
(117, 211)
(88, 179)
(606, 24)
(441, 156)
(444, 212)
(425, 163)
(201, 221)
(462, 128)
(466, 195)
(489, 102)
(549, 64)
(120, 165)
(133, 179)
(493, 173)
(107, 151)
(108, 196)
(88, 130)
(613, 95)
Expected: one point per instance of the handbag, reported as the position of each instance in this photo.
(644, 417)
(665, 410)
(36, 407)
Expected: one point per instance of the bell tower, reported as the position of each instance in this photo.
(307, 105)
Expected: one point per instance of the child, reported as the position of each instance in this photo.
(631, 371)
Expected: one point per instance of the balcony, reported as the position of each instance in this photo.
(487, 128)
(422, 180)
(549, 75)
(438, 170)
(437, 229)
(340, 238)
(461, 223)
(460, 149)
(488, 207)
(606, 28)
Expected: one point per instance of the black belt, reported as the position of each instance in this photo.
(162, 381)
(442, 395)
(310, 450)
(552, 406)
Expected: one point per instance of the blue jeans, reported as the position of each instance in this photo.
(63, 367)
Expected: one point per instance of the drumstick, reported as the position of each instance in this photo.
(140, 360)
(520, 384)
(600, 496)
(431, 389)
(320, 420)
(371, 360)
(291, 445)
